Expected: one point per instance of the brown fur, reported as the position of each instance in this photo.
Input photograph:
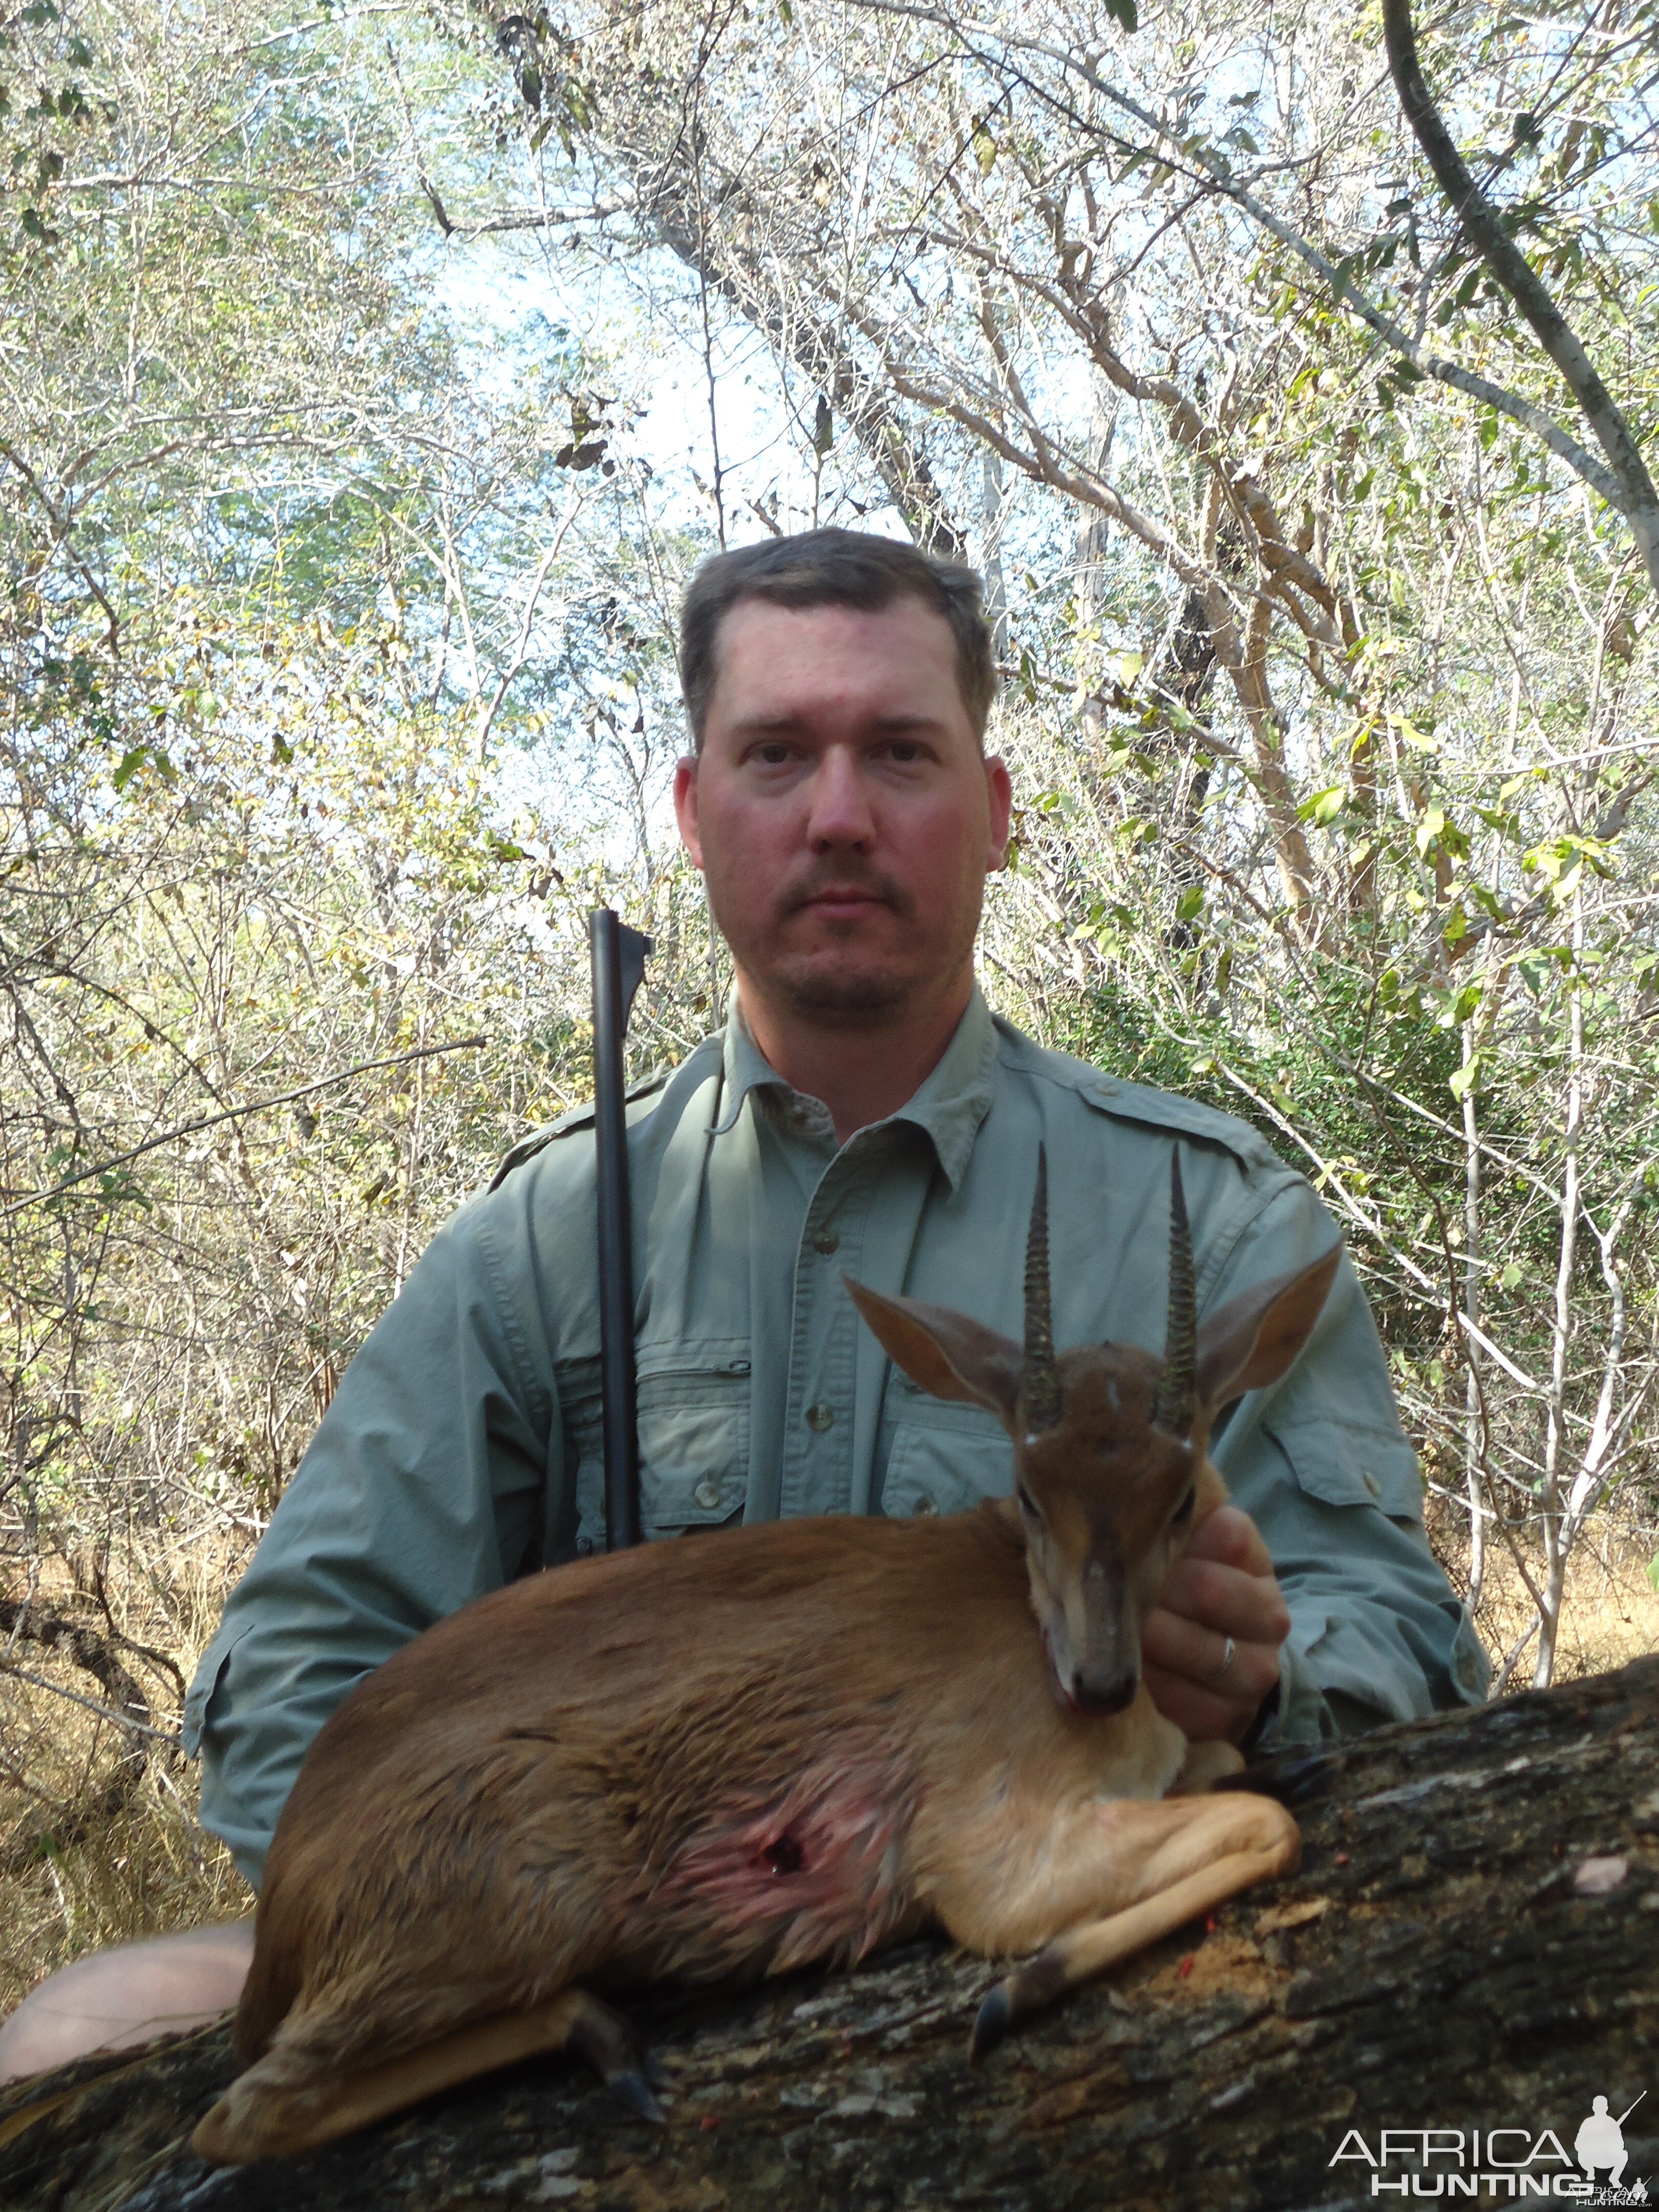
(730, 1755)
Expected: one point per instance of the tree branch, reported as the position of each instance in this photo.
(1199, 162)
(1635, 497)
(236, 1114)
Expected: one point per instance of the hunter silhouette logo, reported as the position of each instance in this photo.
(1501, 2163)
(1600, 2142)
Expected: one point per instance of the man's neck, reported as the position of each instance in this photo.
(861, 1075)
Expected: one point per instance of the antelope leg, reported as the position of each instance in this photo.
(264, 2115)
(607, 2042)
(1198, 1852)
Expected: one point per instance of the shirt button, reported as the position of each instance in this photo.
(707, 1493)
(1372, 1484)
(924, 1505)
(584, 1548)
(820, 1417)
(827, 1242)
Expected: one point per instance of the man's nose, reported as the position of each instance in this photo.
(840, 813)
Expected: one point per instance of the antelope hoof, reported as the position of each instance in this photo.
(991, 2023)
(632, 2090)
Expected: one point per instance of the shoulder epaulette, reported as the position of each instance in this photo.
(1168, 1109)
(1136, 1102)
(578, 1118)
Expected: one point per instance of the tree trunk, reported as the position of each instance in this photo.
(1472, 1944)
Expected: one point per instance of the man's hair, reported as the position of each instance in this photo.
(841, 568)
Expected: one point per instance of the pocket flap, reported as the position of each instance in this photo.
(207, 1678)
(1348, 1463)
(693, 1423)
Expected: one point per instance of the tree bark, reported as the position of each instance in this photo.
(1444, 1960)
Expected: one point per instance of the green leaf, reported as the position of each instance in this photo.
(141, 756)
(1124, 12)
(1414, 736)
(1323, 807)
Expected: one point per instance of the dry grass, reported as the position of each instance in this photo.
(75, 1874)
(1610, 1612)
(88, 1855)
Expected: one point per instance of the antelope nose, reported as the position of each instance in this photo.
(1109, 1693)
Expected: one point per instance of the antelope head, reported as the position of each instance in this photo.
(1110, 1467)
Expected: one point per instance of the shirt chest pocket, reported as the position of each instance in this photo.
(942, 1459)
(1344, 1463)
(693, 1419)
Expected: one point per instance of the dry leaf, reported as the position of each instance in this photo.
(1291, 1916)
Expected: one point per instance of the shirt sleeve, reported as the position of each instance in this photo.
(1321, 1464)
(425, 1487)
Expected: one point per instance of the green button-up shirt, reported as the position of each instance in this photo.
(463, 1448)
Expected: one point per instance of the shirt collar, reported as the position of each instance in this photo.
(948, 1107)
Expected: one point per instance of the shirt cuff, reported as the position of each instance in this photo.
(1293, 1711)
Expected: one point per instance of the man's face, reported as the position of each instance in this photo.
(842, 810)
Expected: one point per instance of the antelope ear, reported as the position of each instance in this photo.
(943, 1352)
(1252, 1341)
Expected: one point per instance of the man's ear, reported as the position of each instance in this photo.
(943, 1352)
(685, 806)
(1252, 1341)
(999, 792)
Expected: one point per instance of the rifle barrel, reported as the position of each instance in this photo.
(618, 954)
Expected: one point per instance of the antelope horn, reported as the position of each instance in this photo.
(1038, 1406)
(1173, 1411)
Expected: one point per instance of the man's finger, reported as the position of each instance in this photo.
(1223, 1590)
(1196, 1655)
(1230, 1537)
(1222, 1599)
(1203, 1714)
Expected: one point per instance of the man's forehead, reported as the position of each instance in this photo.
(833, 629)
(775, 663)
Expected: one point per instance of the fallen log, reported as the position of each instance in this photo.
(1471, 1949)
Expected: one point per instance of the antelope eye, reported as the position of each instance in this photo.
(1027, 1502)
(1184, 1511)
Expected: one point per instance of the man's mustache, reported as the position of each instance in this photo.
(868, 883)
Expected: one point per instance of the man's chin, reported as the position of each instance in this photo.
(848, 998)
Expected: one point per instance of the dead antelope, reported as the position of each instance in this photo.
(782, 1745)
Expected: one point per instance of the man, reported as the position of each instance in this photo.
(864, 1112)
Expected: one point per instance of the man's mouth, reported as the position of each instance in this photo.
(844, 904)
(851, 899)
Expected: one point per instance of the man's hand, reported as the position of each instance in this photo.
(1223, 1587)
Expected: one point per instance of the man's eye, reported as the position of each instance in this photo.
(775, 756)
(904, 751)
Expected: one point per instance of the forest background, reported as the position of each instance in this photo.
(372, 377)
